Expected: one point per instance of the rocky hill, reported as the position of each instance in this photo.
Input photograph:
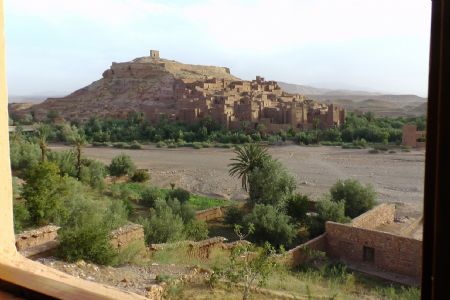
(128, 86)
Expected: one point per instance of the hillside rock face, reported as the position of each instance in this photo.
(139, 85)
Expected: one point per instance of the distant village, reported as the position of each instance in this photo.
(232, 103)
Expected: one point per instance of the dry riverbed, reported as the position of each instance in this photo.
(397, 177)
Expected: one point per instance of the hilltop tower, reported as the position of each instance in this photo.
(154, 54)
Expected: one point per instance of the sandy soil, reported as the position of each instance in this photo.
(397, 177)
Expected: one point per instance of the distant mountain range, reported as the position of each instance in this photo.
(363, 101)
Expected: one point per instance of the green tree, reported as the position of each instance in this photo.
(78, 139)
(196, 230)
(327, 210)
(40, 192)
(270, 183)
(297, 206)
(248, 157)
(271, 225)
(43, 132)
(163, 225)
(357, 198)
(122, 165)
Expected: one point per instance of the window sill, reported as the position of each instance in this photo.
(26, 273)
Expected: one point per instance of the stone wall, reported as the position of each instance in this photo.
(382, 250)
(209, 214)
(381, 214)
(125, 235)
(36, 241)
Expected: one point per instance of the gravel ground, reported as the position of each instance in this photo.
(397, 177)
(132, 278)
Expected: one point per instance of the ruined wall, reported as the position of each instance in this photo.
(381, 214)
(391, 252)
(36, 237)
(299, 254)
(209, 214)
(125, 235)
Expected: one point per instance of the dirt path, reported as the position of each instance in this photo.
(397, 177)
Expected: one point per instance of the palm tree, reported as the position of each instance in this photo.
(248, 157)
(78, 139)
(43, 131)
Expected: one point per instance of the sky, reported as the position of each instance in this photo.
(55, 47)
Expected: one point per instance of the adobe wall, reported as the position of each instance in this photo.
(299, 254)
(125, 235)
(392, 253)
(381, 214)
(409, 136)
(209, 214)
(36, 237)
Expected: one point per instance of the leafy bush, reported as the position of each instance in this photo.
(161, 144)
(162, 225)
(140, 176)
(90, 242)
(181, 194)
(233, 215)
(100, 144)
(297, 206)
(327, 210)
(21, 216)
(65, 160)
(184, 210)
(149, 196)
(196, 230)
(374, 151)
(357, 198)
(93, 173)
(24, 154)
(121, 165)
(270, 184)
(271, 225)
(41, 193)
(135, 145)
(121, 145)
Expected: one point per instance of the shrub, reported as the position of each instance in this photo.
(121, 165)
(198, 146)
(65, 160)
(100, 144)
(327, 210)
(90, 242)
(184, 210)
(24, 154)
(360, 143)
(270, 184)
(140, 176)
(161, 144)
(124, 192)
(21, 216)
(297, 206)
(181, 194)
(357, 198)
(374, 151)
(40, 192)
(233, 215)
(163, 225)
(121, 145)
(271, 225)
(196, 230)
(149, 196)
(93, 173)
(135, 145)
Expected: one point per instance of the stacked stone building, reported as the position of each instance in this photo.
(232, 103)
